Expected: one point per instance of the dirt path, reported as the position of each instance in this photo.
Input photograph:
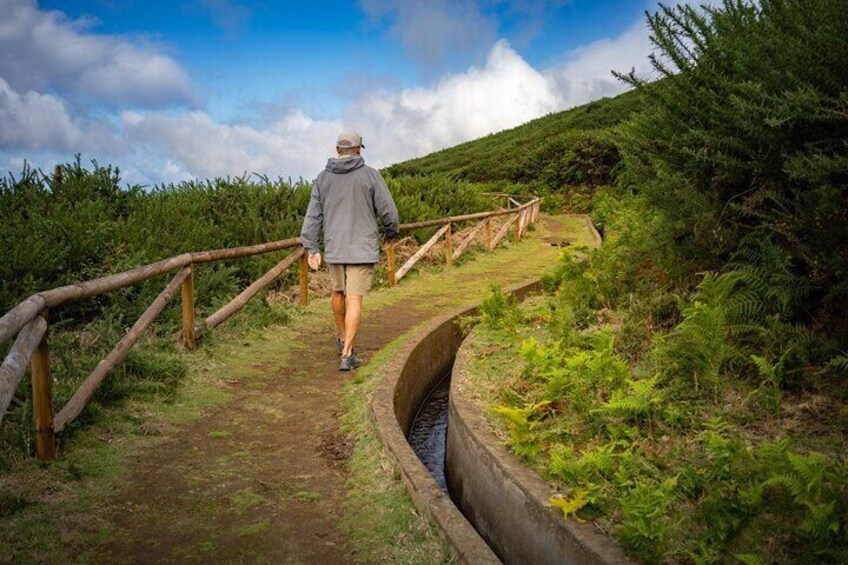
(261, 477)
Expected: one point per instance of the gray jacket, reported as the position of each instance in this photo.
(348, 198)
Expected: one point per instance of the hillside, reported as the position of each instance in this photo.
(569, 146)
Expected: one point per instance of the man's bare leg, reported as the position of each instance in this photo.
(337, 301)
(352, 318)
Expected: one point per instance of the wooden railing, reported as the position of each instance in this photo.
(29, 319)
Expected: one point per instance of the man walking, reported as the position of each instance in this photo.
(348, 199)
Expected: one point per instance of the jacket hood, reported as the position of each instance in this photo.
(344, 164)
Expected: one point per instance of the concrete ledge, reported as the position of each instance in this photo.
(506, 501)
(410, 375)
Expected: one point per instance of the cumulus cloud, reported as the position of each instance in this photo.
(503, 93)
(397, 124)
(45, 51)
(194, 142)
(35, 121)
(585, 74)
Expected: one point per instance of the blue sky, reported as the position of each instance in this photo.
(197, 88)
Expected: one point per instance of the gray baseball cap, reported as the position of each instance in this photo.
(349, 139)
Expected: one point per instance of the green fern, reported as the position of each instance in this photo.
(521, 428)
(706, 341)
(808, 481)
(499, 311)
(839, 364)
(749, 559)
(637, 403)
(771, 379)
(646, 524)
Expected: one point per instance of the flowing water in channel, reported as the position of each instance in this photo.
(429, 430)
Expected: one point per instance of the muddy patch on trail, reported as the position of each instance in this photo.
(336, 448)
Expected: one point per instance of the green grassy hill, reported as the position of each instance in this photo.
(571, 146)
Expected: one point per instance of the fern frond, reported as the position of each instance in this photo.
(749, 559)
(571, 505)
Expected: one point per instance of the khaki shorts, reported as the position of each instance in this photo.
(354, 280)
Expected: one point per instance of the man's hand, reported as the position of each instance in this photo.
(314, 261)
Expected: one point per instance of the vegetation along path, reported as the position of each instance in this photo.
(259, 475)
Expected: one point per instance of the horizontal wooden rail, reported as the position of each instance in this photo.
(246, 251)
(506, 194)
(27, 319)
(239, 301)
(421, 252)
(522, 214)
(84, 393)
(467, 241)
(464, 218)
(19, 316)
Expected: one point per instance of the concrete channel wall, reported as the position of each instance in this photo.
(505, 501)
(410, 376)
(492, 486)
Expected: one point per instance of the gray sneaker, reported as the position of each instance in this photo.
(349, 363)
(339, 345)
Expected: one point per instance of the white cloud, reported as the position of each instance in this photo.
(396, 125)
(295, 146)
(35, 121)
(586, 73)
(45, 51)
(504, 92)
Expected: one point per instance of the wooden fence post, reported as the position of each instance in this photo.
(42, 402)
(303, 275)
(189, 337)
(448, 250)
(390, 263)
(518, 226)
(488, 229)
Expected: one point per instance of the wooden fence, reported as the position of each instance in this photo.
(29, 319)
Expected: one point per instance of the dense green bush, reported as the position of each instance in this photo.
(77, 224)
(743, 145)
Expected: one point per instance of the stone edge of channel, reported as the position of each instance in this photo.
(408, 378)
